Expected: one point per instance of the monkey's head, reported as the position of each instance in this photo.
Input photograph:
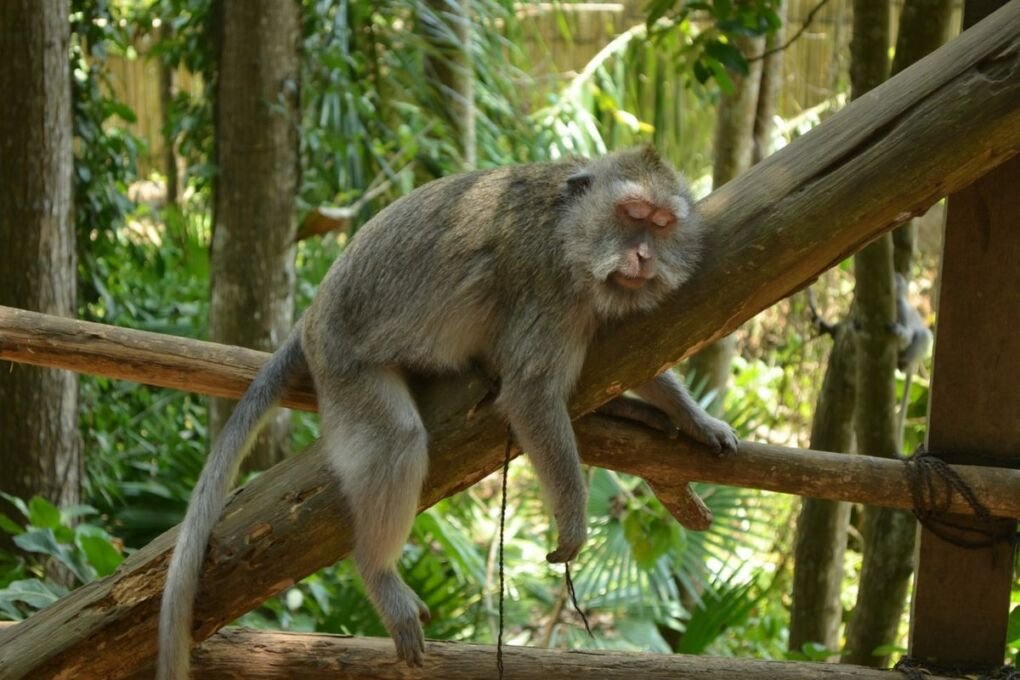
(632, 232)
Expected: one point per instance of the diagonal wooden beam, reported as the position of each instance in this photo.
(929, 131)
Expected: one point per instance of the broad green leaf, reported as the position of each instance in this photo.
(42, 513)
(100, 553)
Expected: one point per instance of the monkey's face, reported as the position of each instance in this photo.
(638, 239)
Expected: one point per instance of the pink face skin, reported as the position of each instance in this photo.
(645, 221)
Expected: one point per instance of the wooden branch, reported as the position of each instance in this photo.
(606, 441)
(267, 655)
(931, 130)
(148, 358)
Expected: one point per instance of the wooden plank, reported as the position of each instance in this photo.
(931, 129)
(961, 596)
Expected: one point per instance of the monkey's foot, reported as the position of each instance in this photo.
(406, 630)
(409, 640)
(717, 434)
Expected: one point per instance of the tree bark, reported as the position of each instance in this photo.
(892, 153)
(39, 445)
(816, 612)
(733, 148)
(257, 152)
(888, 534)
(924, 27)
(449, 68)
(166, 97)
(270, 655)
(768, 91)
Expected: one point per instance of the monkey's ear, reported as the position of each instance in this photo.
(579, 182)
(651, 155)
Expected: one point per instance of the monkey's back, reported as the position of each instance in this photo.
(432, 279)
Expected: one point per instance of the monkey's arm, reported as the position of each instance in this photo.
(669, 394)
(541, 424)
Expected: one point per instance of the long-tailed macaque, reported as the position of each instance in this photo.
(515, 267)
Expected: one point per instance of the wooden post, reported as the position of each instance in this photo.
(961, 596)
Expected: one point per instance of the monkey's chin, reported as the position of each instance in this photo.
(628, 282)
(613, 300)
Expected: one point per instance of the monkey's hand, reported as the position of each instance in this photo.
(715, 433)
(572, 535)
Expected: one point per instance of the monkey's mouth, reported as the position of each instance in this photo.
(629, 282)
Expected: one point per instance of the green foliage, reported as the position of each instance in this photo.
(187, 40)
(105, 153)
(369, 114)
(712, 53)
(50, 539)
(145, 446)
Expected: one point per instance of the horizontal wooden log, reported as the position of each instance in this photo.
(141, 356)
(605, 441)
(929, 131)
(264, 655)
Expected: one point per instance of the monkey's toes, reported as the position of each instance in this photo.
(409, 641)
(718, 436)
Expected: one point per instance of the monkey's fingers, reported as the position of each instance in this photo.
(561, 555)
(685, 505)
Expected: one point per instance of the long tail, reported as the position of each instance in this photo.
(207, 501)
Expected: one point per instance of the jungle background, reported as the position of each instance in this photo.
(219, 155)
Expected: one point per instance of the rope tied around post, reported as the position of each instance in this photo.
(932, 483)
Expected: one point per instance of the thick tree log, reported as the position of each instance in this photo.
(264, 655)
(930, 131)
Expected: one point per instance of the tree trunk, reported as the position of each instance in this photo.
(888, 535)
(816, 612)
(166, 97)
(924, 27)
(768, 91)
(446, 25)
(39, 445)
(734, 151)
(257, 153)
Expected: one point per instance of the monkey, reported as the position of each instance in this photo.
(516, 267)
(914, 342)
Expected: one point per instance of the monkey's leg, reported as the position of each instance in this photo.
(378, 445)
(541, 423)
(668, 393)
(628, 408)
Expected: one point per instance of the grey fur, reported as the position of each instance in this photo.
(516, 267)
(914, 342)
(207, 502)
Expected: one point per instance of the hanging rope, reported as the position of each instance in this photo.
(502, 525)
(573, 600)
(502, 579)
